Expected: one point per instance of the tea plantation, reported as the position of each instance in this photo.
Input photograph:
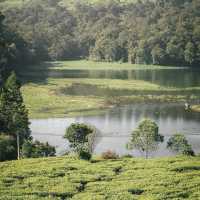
(121, 179)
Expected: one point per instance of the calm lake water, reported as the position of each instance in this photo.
(116, 125)
(182, 77)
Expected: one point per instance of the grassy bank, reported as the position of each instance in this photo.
(86, 64)
(71, 97)
(196, 108)
(46, 96)
(126, 178)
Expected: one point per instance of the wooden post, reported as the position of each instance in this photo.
(18, 149)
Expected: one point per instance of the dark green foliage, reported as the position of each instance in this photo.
(7, 147)
(187, 168)
(82, 186)
(84, 154)
(78, 134)
(117, 170)
(136, 191)
(37, 149)
(13, 50)
(152, 32)
(179, 144)
(80, 137)
(146, 137)
(13, 117)
(13, 113)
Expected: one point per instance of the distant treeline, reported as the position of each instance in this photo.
(164, 32)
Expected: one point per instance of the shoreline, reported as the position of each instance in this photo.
(103, 110)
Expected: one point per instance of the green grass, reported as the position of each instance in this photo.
(86, 64)
(196, 108)
(60, 97)
(71, 97)
(175, 178)
(7, 4)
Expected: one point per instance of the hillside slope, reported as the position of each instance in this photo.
(126, 178)
(138, 32)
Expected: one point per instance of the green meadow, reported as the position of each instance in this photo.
(67, 177)
(6, 4)
(47, 96)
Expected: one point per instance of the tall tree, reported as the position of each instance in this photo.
(146, 137)
(189, 53)
(13, 113)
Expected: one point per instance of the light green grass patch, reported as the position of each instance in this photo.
(86, 64)
(196, 108)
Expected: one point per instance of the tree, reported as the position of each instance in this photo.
(146, 137)
(179, 144)
(13, 113)
(13, 50)
(37, 149)
(147, 32)
(7, 147)
(80, 137)
(189, 53)
(158, 55)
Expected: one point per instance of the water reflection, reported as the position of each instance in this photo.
(165, 77)
(117, 124)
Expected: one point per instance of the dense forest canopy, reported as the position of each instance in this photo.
(165, 32)
(14, 50)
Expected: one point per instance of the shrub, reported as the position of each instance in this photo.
(109, 155)
(179, 144)
(117, 170)
(135, 191)
(127, 156)
(37, 149)
(84, 154)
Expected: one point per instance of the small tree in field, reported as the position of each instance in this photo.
(179, 144)
(146, 137)
(80, 137)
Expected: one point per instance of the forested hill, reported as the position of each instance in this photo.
(165, 32)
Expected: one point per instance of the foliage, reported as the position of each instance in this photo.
(31, 149)
(80, 137)
(13, 50)
(109, 155)
(146, 137)
(84, 153)
(71, 178)
(13, 114)
(147, 32)
(179, 144)
(7, 147)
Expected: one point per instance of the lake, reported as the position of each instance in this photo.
(169, 77)
(116, 125)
